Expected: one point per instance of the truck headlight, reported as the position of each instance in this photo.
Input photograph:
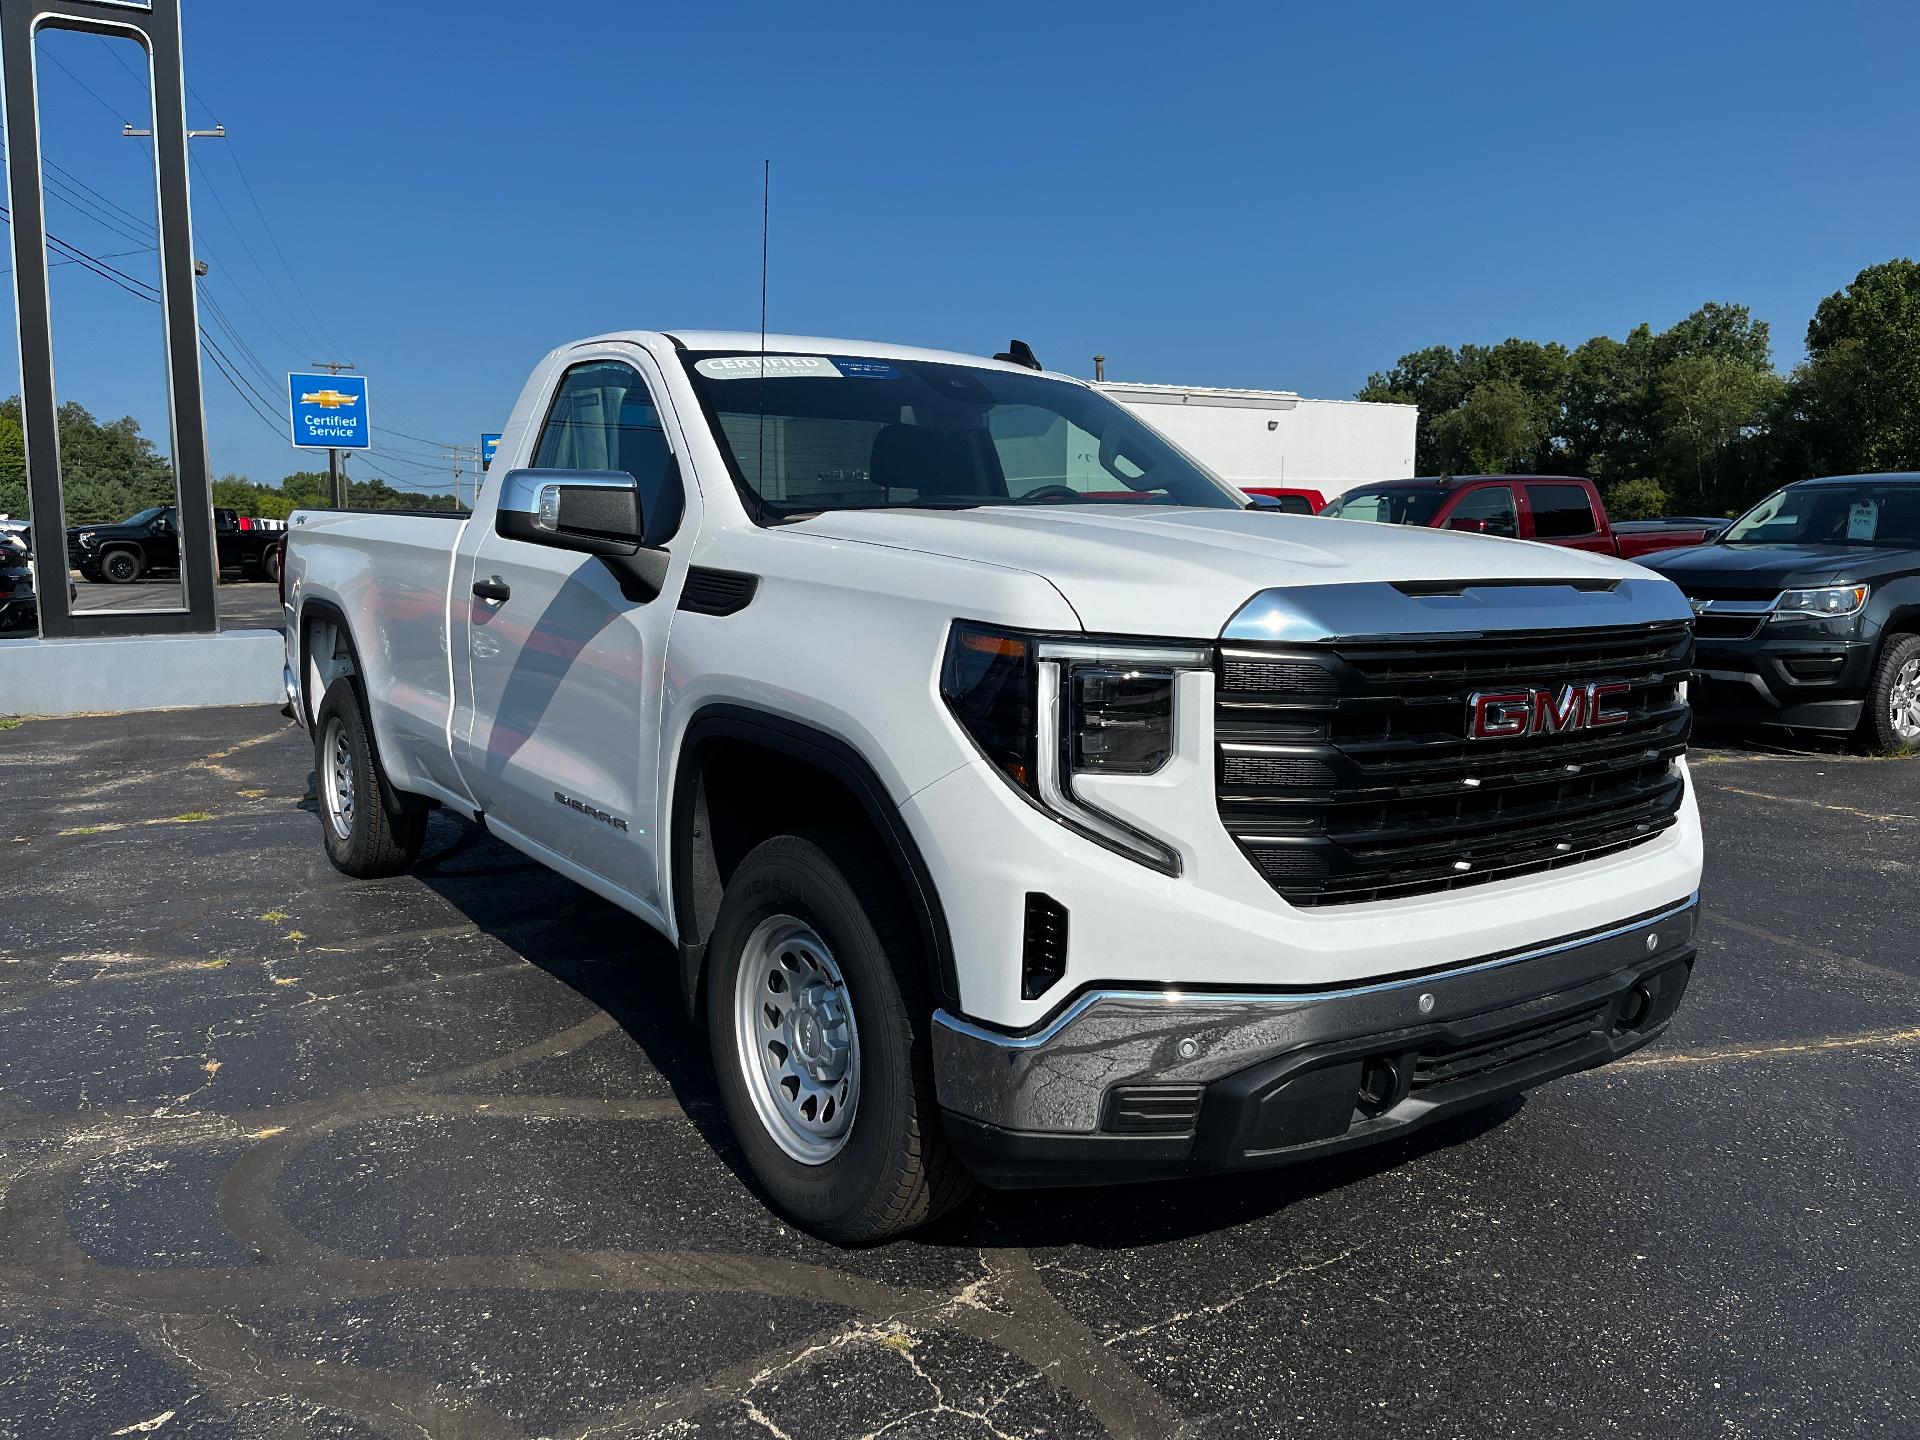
(1832, 603)
(1044, 709)
(86, 538)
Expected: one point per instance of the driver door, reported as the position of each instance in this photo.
(558, 674)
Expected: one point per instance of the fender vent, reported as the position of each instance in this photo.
(1043, 955)
(717, 592)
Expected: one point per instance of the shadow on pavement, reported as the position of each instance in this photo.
(614, 962)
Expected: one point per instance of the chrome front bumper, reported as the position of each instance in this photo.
(1061, 1081)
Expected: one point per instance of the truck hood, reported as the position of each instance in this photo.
(1184, 572)
(1779, 567)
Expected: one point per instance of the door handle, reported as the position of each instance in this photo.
(496, 590)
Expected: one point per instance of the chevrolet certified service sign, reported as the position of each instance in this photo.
(330, 412)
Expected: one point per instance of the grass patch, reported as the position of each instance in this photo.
(274, 917)
(11, 722)
(192, 817)
(88, 830)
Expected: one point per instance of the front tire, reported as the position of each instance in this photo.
(1893, 699)
(120, 567)
(363, 838)
(819, 1018)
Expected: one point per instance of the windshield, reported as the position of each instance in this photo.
(833, 432)
(1388, 504)
(144, 516)
(1862, 514)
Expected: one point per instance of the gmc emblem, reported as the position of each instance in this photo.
(1510, 714)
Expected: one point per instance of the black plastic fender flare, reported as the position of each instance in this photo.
(834, 756)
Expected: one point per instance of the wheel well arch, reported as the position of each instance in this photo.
(743, 775)
(1904, 620)
(313, 614)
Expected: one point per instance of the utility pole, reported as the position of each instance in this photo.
(336, 473)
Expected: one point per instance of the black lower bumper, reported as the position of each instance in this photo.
(1804, 683)
(1320, 1099)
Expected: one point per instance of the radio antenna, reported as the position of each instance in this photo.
(766, 213)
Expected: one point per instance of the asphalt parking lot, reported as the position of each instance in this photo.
(287, 1155)
(243, 604)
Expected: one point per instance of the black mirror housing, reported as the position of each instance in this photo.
(593, 512)
(590, 512)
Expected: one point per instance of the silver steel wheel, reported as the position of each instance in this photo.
(1903, 703)
(336, 778)
(794, 1034)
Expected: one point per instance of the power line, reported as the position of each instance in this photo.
(274, 240)
(54, 61)
(100, 209)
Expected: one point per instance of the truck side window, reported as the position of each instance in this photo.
(604, 418)
(1561, 512)
(1494, 505)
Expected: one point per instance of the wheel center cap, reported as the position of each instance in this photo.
(818, 1034)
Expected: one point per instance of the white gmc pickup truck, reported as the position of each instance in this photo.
(1022, 806)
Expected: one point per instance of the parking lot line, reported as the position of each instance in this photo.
(1872, 1040)
(1815, 804)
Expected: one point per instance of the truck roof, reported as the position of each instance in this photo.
(1891, 477)
(749, 342)
(1444, 482)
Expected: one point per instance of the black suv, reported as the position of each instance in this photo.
(1807, 610)
(149, 543)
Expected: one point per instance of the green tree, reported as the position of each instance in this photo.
(1524, 403)
(13, 467)
(1708, 403)
(108, 471)
(1498, 428)
(1858, 395)
(1636, 500)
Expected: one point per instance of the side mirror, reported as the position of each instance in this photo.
(163, 526)
(1469, 526)
(590, 512)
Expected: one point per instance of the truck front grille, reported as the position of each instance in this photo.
(1345, 773)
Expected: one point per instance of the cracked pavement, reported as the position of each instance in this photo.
(283, 1154)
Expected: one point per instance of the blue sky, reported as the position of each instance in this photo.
(1263, 195)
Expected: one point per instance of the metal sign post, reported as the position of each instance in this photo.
(155, 26)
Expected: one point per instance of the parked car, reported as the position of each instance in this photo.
(19, 610)
(149, 544)
(1807, 610)
(1289, 499)
(1563, 510)
(1022, 806)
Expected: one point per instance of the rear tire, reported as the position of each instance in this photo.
(270, 565)
(817, 991)
(120, 567)
(363, 838)
(1892, 721)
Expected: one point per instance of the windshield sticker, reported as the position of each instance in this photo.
(866, 369)
(1863, 520)
(778, 367)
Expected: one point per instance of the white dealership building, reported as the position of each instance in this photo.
(1276, 437)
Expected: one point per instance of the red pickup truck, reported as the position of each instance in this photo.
(1554, 509)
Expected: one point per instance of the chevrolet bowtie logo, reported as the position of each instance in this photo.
(329, 399)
